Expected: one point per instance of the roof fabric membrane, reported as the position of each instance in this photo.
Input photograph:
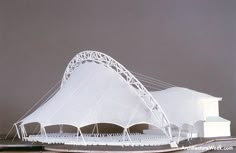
(93, 94)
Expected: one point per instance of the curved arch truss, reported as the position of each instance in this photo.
(130, 79)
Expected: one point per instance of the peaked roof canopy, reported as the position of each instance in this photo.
(97, 89)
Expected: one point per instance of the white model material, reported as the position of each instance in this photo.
(199, 110)
(95, 88)
(183, 101)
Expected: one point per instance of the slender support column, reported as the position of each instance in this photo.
(180, 129)
(17, 131)
(124, 137)
(191, 132)
(60, 129)
(77, 134)
(170, 132)
(82, 136)
(44, 133)
(41, 130)
(173, 143)
(94, 128)
(22, 132)
(97, 128)
(127, 131)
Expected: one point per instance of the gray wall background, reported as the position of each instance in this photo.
(185, 42)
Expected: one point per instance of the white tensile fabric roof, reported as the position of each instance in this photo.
(185, 106)
(93, 94)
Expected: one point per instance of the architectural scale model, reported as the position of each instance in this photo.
(97, 89)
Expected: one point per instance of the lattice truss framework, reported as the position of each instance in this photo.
(142, 92)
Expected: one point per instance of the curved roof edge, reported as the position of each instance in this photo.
(129, 78)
